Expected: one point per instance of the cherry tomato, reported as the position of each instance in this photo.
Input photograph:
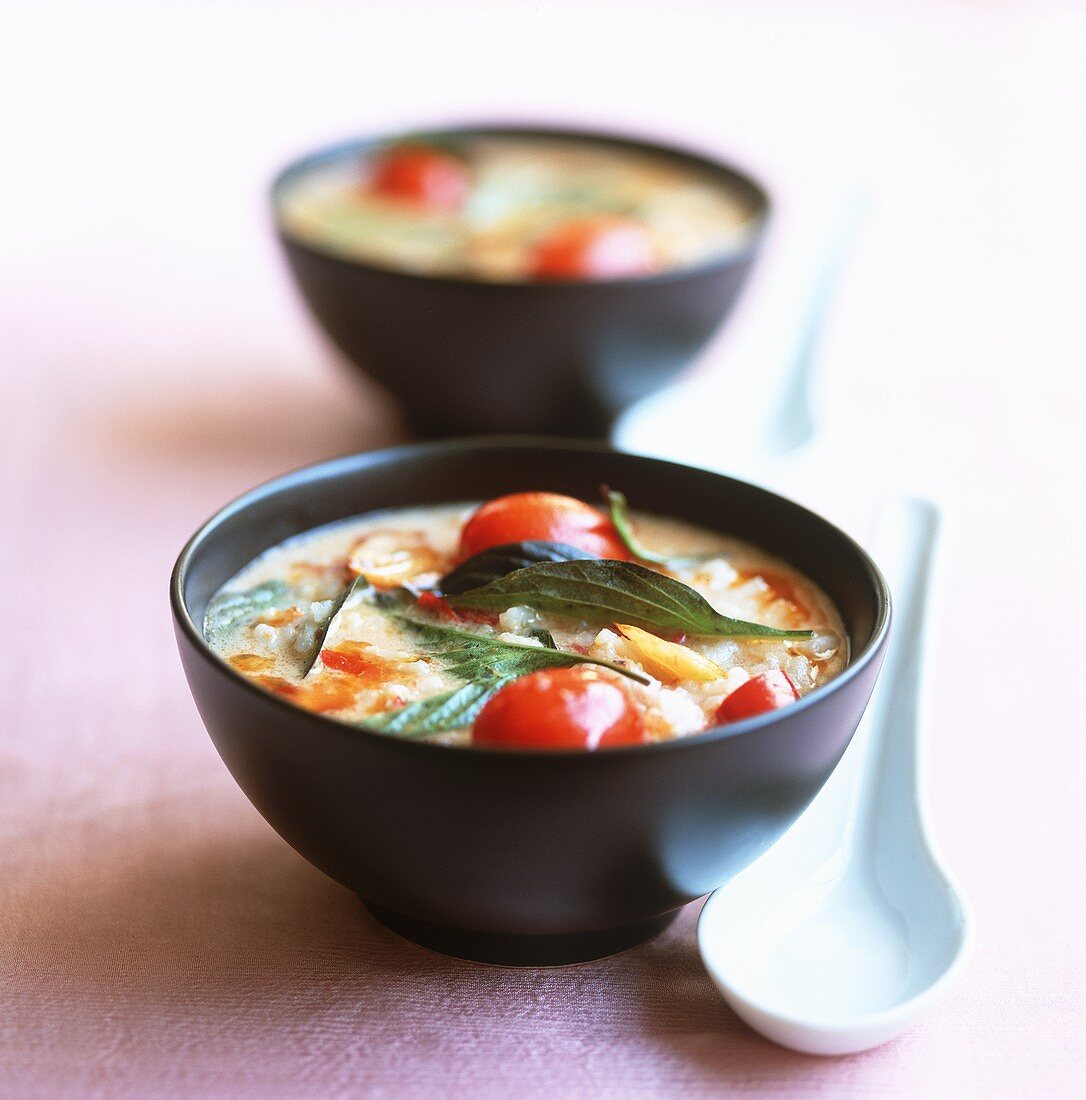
(562, 708)
(543, 517)
(601, 247)
(764, 692)
(421, 176)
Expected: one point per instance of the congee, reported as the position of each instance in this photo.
(509, 208)
(529, 621)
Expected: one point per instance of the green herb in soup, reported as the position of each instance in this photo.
(486, 663)
(522, 623)
(510, 208)
(613, 591)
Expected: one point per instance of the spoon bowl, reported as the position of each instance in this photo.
(848, 929)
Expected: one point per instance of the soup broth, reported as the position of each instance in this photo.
(511, 209)
(351, 620)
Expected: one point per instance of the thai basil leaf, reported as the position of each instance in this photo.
(499, 560)
(443, 143)
(229, 610)
(325, 624)
(451, 710)
(471, 656)
(485, 662)
(614, 591)
(621, 519)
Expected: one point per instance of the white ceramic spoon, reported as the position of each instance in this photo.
(754, 415)
(849, 928)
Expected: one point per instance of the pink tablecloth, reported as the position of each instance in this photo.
(156, 938)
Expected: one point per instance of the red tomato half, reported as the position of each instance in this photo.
(542, 517)
(562, 708)
(422, 176)
(764, 692)
(601, 247)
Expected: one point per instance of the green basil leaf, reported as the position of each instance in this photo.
(614, 591)
(496, 562)
(473, 656)
(486, 663)
(326, 624)
(229, 610)
(621, 519)
(544, 637)
(451, 710)
(443, 143)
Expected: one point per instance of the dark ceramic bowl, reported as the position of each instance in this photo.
(525, 857)
(465, 356)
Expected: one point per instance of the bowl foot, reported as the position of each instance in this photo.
(532, 950)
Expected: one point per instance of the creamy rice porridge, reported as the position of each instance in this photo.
(526, 622)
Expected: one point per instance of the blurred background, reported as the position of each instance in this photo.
(155, 361)
(149, 323)
(139, 141)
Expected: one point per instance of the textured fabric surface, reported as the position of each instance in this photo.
(156, 937)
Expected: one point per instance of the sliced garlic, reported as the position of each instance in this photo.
(668, 660)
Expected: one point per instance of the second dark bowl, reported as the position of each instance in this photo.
(465, 356)
(526, 857)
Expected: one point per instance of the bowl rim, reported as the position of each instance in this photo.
(589, 134)
(356, 461)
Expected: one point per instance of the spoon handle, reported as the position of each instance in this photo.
(802, 298)
(890, 791)
(765, 359)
